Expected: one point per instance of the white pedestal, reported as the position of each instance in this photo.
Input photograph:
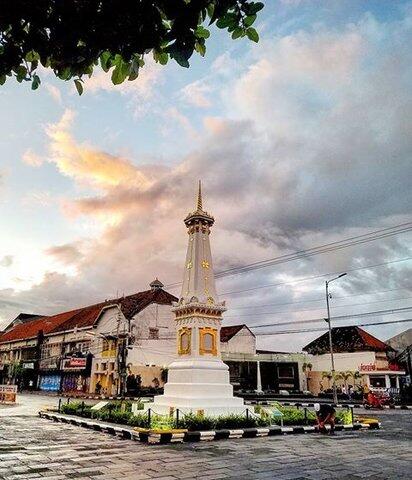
(198, 384)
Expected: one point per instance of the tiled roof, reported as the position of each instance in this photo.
(226, 333)
(86, 316)
(31, 329)
(347, 339)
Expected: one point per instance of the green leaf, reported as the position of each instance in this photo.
(252, 34)
(237, 32)
(45, 62)
(79, 86)
(200, 48)
(160, 57)
(105, 62)
(35, 82)
(32, 55)
(180, 59)
(226, 20)
(65, 74)
(21, 73)
(2, 79)
(120, 73)
(249, 20)
(202, 32)
(210, 9)
(251, 9)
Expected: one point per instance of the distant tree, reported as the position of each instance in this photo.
(306, 368)
(328, 375)
(71, 37)
(345, 376)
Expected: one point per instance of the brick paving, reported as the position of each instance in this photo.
(34, 448)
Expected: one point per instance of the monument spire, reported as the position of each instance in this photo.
(199, 198)
(198, 277)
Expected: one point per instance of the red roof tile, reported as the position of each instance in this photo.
(372, 341)
(86, 316)
(226, 333)
(31, 329)
(346, 339)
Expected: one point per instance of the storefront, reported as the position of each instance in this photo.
(264, 374)
(76, 374)
(50, 375)
(381, 378)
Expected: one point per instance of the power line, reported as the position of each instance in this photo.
(337, 318)
(338, 245)
(325, 248)
(314, 309)
(313, 277)
(284, 332)
(322, 299)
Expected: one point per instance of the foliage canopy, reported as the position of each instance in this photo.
(71, 37)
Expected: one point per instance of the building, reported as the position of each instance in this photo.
(74, 350)
(402, 343)
(358, 355)
(259, 370)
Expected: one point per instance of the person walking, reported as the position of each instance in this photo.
(325, 415)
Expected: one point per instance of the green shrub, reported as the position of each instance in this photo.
(195, 422)
(140, 420)
(76, 408)
(117, 416)
(70, 408)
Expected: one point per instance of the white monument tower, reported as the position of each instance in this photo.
(198, 380)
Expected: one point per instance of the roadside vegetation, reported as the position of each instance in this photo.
(121, 413)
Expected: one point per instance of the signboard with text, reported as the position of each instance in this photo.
(73, 363)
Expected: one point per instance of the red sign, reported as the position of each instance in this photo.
(367, 367)
(74, 363)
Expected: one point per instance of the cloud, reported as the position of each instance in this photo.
(32, 159)
(198, 94)
(54, 92)
(67, 254)
(139, 91)
(310, 146)
(85, 163)
(35, 199)
(173, 115)
(6, 261)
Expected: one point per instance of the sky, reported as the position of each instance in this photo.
(300, 140)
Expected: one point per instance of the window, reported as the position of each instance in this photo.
(153, 333)
(377, 382)
(286, 371)
(45, 351)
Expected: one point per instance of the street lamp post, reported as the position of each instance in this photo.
(328, 296)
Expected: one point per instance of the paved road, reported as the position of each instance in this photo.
(31, 447)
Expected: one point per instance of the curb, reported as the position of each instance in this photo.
(164, 438)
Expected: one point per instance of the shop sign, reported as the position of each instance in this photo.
(28, 365)
(8, 388)
(371, 367)
(367, 367)
(48, 364)
(74, 363)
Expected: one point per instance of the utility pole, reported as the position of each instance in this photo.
(328, 296)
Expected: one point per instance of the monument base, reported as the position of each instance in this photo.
(199, 386)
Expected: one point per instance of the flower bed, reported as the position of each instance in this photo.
(120, 412)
